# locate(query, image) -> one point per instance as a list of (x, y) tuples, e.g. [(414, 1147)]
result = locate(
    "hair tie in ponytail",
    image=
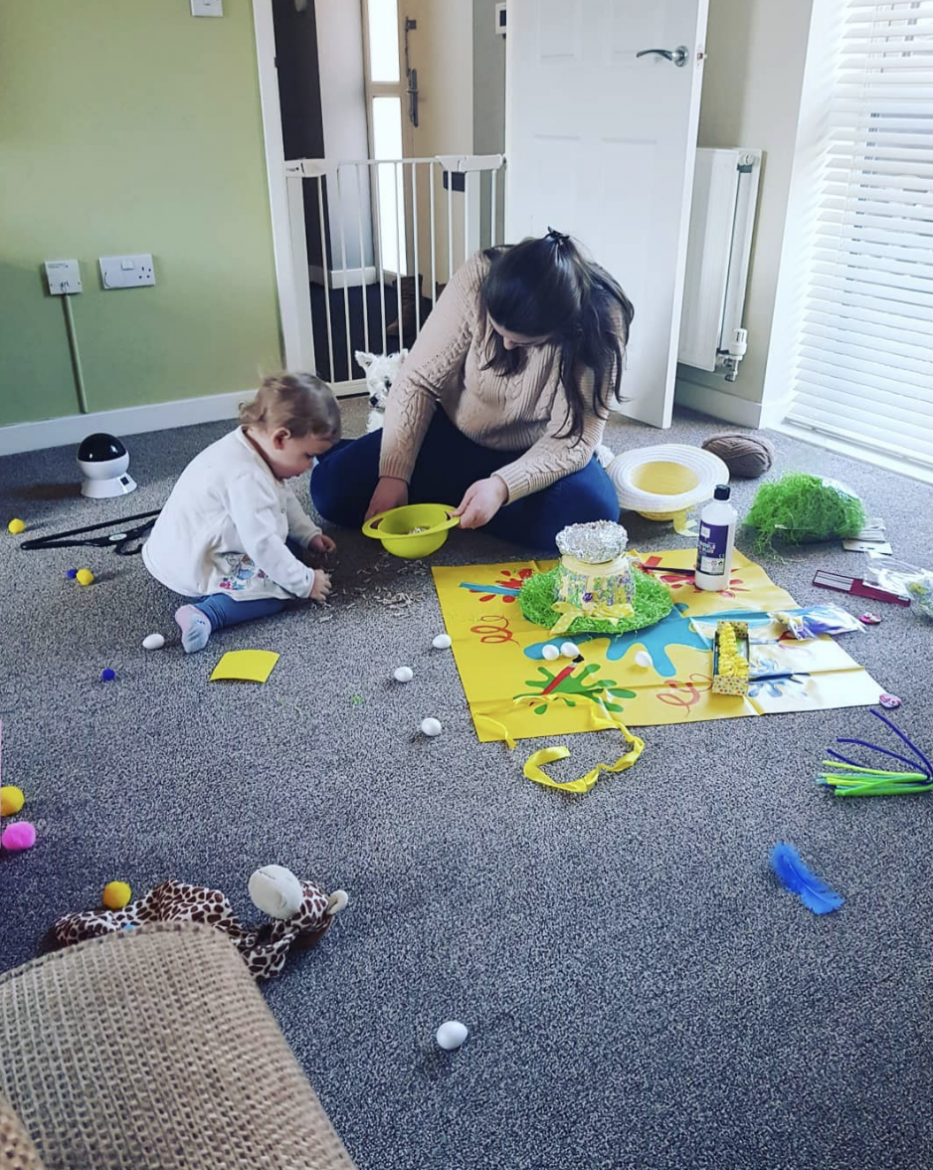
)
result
[(557, 237)]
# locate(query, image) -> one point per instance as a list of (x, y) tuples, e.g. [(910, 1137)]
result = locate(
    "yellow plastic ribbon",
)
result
[(532, 767), (498, 728), (606, 613)]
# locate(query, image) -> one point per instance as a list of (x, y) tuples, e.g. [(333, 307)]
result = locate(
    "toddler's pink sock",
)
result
[(195, 628)]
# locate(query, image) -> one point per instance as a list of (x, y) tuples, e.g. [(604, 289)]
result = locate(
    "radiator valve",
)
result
[(732, 359)]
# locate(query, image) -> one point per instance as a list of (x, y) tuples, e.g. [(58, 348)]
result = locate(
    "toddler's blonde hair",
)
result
[(301, 403)]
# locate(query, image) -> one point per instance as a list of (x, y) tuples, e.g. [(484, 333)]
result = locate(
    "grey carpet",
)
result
[(639, 991)]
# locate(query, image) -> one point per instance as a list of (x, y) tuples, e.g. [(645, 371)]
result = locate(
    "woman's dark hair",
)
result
[(547, 288)]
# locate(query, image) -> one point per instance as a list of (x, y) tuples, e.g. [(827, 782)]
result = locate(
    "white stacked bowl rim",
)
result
[(709, 469)]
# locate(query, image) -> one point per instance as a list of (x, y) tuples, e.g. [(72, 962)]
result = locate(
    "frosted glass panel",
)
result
[(387, 143), (383, 40)]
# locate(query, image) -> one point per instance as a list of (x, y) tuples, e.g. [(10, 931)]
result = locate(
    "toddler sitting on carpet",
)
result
[(232, 534)]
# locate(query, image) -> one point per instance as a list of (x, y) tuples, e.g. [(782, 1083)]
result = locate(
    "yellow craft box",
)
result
[(730, 658)]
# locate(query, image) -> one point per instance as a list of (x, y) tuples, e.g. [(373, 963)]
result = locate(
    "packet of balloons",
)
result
[(818, 619), (900, 577)]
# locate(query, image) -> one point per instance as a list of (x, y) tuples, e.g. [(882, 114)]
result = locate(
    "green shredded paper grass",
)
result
[(652, 602), (798, 508)]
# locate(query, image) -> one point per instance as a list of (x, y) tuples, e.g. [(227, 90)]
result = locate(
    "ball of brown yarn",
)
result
[(746, 456)]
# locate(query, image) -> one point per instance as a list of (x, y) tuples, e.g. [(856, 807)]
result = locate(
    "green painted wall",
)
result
[(130, 126)]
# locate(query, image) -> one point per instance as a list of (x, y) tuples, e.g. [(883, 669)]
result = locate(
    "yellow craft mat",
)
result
[(508, 682)]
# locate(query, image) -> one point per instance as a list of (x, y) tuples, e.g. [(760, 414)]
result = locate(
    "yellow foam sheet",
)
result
[(510, 687), (245, 666)]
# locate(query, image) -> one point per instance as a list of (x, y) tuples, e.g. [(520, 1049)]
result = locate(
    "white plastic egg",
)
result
[(431, 726), (570, 650), (643, 658), (451, 1034), (153, 642), (404, 674), (550, 652), (441, 642)]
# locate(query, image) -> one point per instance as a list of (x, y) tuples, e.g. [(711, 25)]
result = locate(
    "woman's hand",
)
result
[(482, 501), (321, 544), (390, 493)]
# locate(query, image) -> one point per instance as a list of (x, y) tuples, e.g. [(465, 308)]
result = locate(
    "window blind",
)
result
[(863, 369)]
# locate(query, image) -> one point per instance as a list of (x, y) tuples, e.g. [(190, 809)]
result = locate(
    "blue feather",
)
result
[(794, 876)]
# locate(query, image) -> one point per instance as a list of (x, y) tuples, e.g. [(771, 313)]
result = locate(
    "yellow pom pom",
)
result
[(11, 800), (116, 895), (16, 527), (84, 576)]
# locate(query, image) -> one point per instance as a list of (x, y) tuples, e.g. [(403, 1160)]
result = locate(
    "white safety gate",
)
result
[(386, 236)]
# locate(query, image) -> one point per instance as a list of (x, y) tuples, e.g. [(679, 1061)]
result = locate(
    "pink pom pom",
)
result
[(21, 835)]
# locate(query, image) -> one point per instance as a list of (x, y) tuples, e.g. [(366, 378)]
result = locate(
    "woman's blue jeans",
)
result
[(345, 478)]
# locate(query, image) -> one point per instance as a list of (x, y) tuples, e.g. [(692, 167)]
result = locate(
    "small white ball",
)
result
[(570, 650), (441, 642), (153, 642), (451, 1034), (404, 674), (431, 726), (550, 652), (643, 658)]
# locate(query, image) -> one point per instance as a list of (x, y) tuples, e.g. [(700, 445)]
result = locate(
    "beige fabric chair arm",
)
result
[(154, 1050)]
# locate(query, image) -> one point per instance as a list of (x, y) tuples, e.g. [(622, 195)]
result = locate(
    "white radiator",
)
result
[(722, 219)]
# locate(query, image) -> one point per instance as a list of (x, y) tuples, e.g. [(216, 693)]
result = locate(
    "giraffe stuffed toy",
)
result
[(301, 914)]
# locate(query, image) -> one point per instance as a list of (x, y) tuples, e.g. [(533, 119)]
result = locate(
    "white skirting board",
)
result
[(732, 408), (133, 420)]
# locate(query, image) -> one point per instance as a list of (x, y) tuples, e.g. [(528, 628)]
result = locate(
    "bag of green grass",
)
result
[(800, 508)]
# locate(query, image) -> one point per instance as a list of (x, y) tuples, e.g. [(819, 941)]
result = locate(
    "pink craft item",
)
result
[(19, 836)]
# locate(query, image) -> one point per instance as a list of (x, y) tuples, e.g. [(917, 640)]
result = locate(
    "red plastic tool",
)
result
[(857, 587)]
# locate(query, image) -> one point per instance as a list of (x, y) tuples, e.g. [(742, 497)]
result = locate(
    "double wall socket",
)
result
[(126, 271)]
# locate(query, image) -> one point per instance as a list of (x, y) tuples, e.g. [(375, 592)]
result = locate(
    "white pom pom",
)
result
[(570, 650), (550, 652), (153, 642), (643, 658), (276, 891), (451, 1034), (431, 726), (404, 674), (441, 642)]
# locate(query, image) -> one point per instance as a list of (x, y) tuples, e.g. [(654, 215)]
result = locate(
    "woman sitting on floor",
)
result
[(501, 402)]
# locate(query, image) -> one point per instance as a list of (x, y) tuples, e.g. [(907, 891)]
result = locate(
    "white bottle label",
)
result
[(711, 549)]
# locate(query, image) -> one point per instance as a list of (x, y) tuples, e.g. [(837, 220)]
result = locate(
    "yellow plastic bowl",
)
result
[(395, 529)]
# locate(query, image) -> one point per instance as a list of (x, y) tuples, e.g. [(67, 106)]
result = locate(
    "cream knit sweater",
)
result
[(523, 412)]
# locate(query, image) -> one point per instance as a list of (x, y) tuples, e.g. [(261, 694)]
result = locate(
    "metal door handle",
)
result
[(678, 56)]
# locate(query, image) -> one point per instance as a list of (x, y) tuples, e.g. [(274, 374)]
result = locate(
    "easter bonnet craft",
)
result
[(595, 588), (301, 913), (799, 508)]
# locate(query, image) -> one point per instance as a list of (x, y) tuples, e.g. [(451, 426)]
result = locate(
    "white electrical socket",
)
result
[(207, 7), (126, 271), (64, 277)]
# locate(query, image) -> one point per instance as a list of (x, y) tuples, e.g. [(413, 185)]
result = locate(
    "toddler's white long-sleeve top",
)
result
[(223, 528)]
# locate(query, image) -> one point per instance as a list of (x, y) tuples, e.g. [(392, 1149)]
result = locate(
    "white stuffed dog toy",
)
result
[(381, 372)]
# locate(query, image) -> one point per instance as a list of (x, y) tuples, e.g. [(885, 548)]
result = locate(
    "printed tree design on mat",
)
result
[(566, 687)]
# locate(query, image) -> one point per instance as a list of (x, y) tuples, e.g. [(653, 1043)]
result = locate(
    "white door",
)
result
[(600, 143)]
